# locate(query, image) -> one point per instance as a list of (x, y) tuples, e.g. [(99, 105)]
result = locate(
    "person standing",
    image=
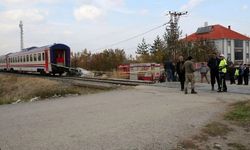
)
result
[(168, 66), (203, 72), (241, 72), (189, 74), (246, 74), (180, 71), (231, 72), (213, 65), (222, 73)]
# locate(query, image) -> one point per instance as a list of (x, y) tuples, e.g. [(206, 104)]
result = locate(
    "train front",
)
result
[(60, 58)]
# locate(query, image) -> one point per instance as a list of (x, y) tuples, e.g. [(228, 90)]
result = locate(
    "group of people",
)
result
[(219, 67), (240, 74)]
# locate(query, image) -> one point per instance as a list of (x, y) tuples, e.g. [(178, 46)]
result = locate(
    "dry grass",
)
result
[(201, 138), (13, 88), (187, 145)]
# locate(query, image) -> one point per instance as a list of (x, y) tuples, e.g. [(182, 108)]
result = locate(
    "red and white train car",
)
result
[(51, 59)]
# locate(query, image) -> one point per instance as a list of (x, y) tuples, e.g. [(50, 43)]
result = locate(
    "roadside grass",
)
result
[(237, 146), (13, 89), (216, 129), (240, 113)]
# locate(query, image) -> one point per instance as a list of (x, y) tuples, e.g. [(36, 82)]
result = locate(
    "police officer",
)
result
[(222, 73)]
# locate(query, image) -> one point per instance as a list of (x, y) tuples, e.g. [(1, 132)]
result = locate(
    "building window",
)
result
[(247, 56), (238, 54), (247, 43), (238, 43), (228, 43)]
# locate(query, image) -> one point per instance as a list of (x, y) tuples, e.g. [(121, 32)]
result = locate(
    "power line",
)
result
[(133, 37)]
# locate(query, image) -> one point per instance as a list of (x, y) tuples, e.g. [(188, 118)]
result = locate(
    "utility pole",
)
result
[(21, 34), (173, 32)]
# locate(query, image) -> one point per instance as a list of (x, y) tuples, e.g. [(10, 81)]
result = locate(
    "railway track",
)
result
[(111, 81), (89, 81)]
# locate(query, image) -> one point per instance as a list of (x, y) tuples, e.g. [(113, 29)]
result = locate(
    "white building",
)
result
[(232, 44)]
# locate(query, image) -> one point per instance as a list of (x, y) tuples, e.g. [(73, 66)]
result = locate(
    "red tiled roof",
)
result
[(218, 32)]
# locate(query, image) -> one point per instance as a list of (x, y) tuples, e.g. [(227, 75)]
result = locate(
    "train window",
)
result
[(15, 59), (39, 56), (31, 57), (23, 58), (27, 58), (43, 57), (35, 58)]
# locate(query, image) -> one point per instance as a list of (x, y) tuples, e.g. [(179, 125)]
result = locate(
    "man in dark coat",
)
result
[(241, 72), (180, 71), (246, 74), (168, 66), (213, 64)]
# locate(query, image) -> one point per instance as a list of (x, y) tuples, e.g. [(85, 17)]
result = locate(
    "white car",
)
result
[(85, 73)]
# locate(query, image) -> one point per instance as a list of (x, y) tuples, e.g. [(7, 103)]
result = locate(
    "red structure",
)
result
[(141, 71)]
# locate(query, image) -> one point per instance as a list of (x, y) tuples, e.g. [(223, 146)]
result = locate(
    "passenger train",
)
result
[(52, 59)]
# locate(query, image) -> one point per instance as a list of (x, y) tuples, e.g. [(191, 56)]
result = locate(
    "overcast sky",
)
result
[(95, 24)]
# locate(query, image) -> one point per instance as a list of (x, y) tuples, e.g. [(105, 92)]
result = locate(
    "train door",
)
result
[(45, 57), (7, 60), (60, 57)]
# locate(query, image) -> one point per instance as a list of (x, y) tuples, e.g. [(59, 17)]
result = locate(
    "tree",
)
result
[(143, 51), (171, 37), (143, 48), (158, 50)]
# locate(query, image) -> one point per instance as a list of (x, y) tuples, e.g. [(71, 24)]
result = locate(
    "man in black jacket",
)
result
[(246, 74), (213, 64), (181, 72)]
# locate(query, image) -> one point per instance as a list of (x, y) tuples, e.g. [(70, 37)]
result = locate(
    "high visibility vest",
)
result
[(223, 66), (237, 72)]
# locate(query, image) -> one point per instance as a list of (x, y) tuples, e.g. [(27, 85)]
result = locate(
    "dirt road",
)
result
[(140, 118)]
